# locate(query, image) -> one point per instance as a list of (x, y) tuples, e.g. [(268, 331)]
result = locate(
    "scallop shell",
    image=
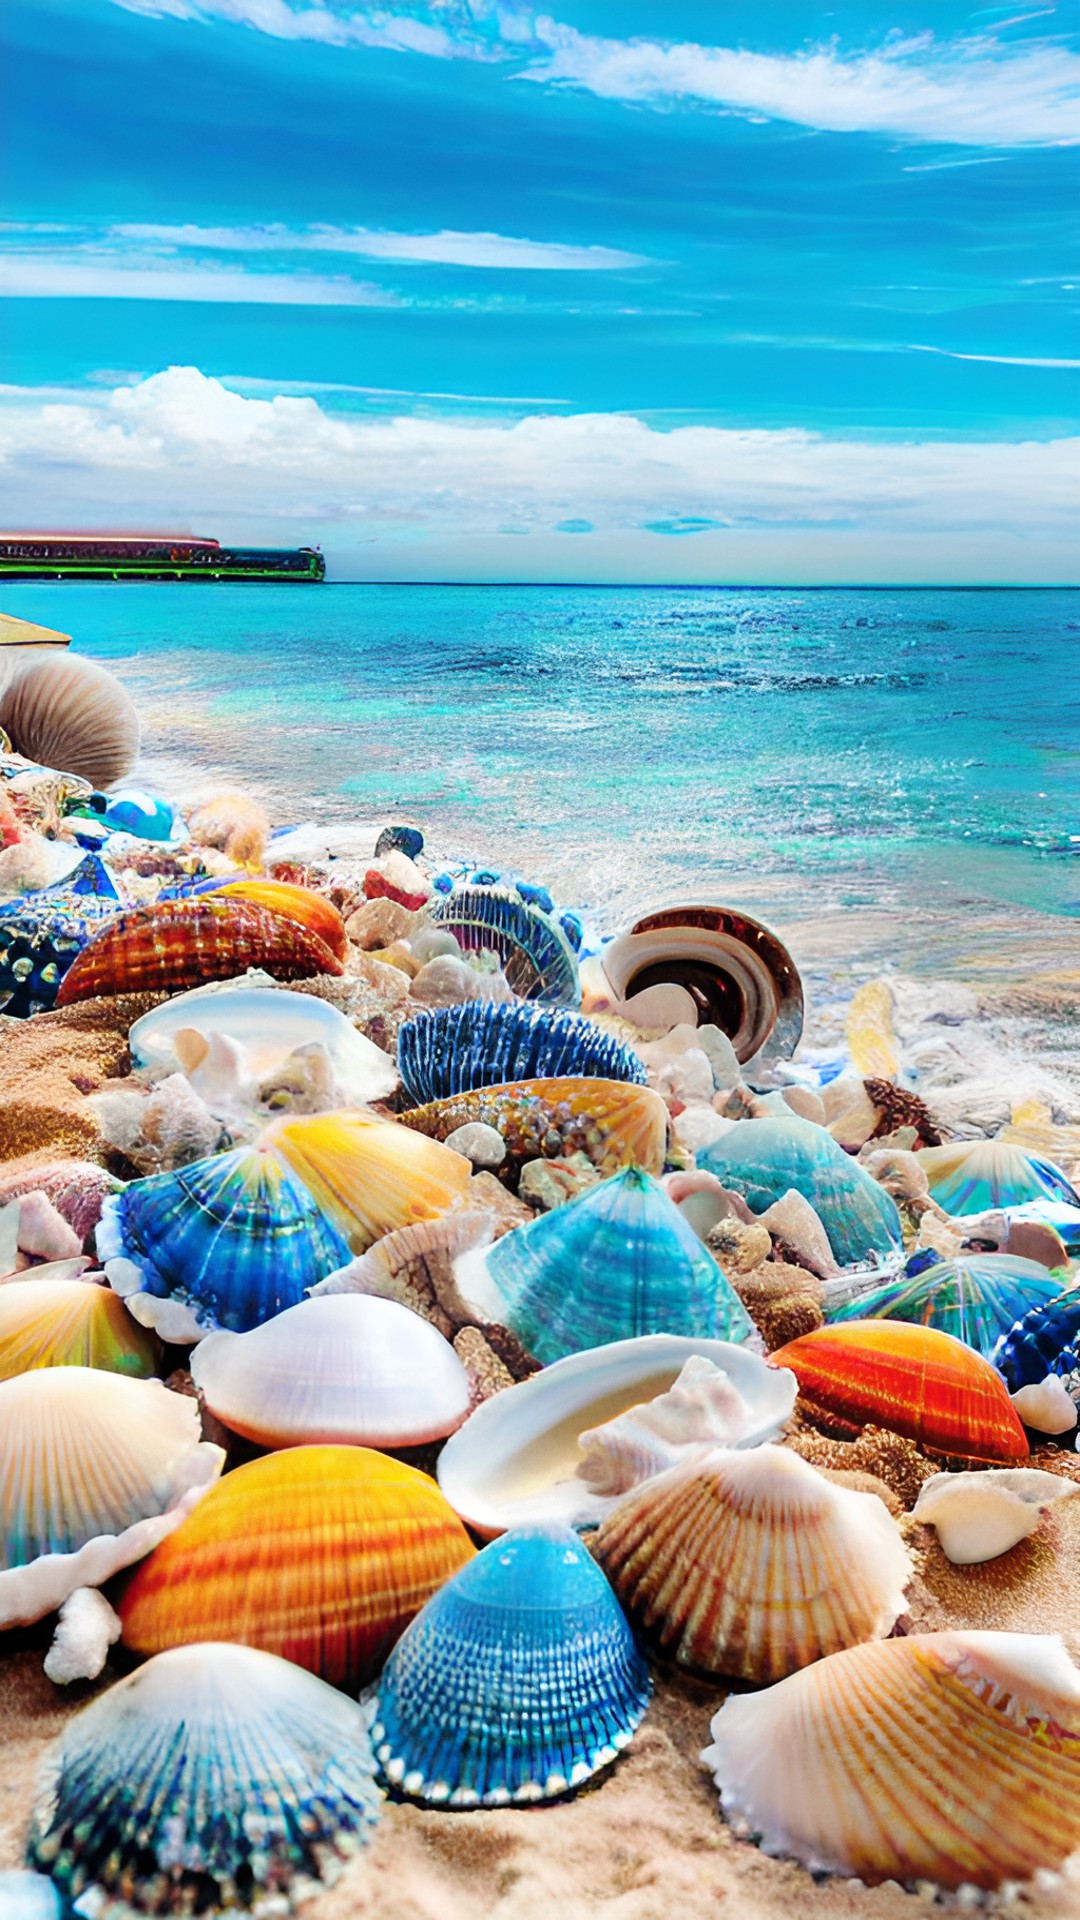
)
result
[(229, 1241), (320, 1554), (517, 1682), (764, 1159), (615, 1124), (487, 1043), (94, 1471), (617, 1261), (974, 1176), (348, 1369), (519, 1457), (1045, 1340), (978, 1516), (415, 1267), (917, 1382), (975, 1297), (211, 1776), (65, 1323), (950, 1757), (182, 943), (69, 713), (268, 1024), (370, 1175), (302, 904), (738, 975), (533, 950), (753, 1564)]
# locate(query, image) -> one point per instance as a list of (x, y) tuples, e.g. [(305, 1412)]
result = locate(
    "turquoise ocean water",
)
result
[(909, 750)]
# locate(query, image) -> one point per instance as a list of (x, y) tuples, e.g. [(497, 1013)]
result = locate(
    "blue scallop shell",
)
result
[(762, 1159), (617, 1261), (235, 1237), (976, 1297), (518, 1680), (487, 1043), (533, 949), (1046, 1340), (975, 1176)]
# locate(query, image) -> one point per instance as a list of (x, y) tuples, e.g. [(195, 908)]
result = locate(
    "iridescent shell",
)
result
[(517, 1682), (229, 1240), (182, 943), (753, 1563), (41, 937), (974, 1176), (302, 904), (320, 1554), (94, 1471), (614, 1123), (268, 1024), (617, 1261), (975, 1297), (949, 1757), (763, 1159), (370, 1175), (349, 1368), (65, 1323), (488, 1043), (70, 713), (1045, 1340), (210, 1777), (535, 954), (913, 1380)]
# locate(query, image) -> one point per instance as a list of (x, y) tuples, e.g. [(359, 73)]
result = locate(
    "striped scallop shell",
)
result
[(975, 1297), (369, 1175), (320, 1554), (302, 904), (66, 1323), (69, 713), (753, 1564), (974, 1176), (177, 944), (764, 1159), (613, 1123), (488, 1043), (211, 1776), (950, 1757), (535, 954)]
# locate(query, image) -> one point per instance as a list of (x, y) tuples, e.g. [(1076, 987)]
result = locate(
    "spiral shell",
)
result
[(69, 713)]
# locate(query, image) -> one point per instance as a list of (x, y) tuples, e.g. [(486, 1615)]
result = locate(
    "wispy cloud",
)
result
[(996, 359), (95, 275), (448, 248)]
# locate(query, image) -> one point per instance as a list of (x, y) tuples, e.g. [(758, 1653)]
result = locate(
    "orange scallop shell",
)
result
[(370, 1175), (914, 1380), (614, 1123), (320, 1554), (183, 943), (301, 904)]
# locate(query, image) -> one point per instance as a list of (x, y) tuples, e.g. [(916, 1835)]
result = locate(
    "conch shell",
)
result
[(980, 1515), (702, 1408)]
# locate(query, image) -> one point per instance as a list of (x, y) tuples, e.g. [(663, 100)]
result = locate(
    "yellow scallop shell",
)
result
[(70, 1323)]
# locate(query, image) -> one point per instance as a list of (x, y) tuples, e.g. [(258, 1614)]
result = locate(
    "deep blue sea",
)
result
[(862, 748)]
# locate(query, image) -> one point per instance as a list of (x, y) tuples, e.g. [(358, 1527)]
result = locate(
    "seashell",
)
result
[(701, 1200), (94, 1471), (87, 1627), (39, 944), (414, 1265), (949, 1757), (976, 1298), (76, 1189), (615, 1262), (182, 943), (919, 1383), (213, 1777), (489, 1044), (227, 1241), (518, 1681), (369, 1175), (39, 1230), (616, 1124), (978, 1516), (701, 1408), (764, 1159), (1046, 1340), (28, 1896), (971, 1176), (307, 908), (869, 1030), (65, 1323), (321, 1554), (792, 1219), (1047, 1406), (70, 713), (753, 1564), (532, 948), (520, 1456), (350, 1369)]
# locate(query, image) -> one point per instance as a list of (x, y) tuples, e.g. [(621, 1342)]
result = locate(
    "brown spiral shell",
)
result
[(67, 712)]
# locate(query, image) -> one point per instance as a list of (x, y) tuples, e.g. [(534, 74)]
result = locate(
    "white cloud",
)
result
[(998, 359), (447, 248), (93, 274)]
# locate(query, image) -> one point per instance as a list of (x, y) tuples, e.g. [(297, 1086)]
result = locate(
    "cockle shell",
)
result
[(65, 1323), (213, 1777), (520, 1457), (976, 1298), (950, 1757), (517, 1682), (70, 713), (533, 950), (753, 1564), (350, 1368), (971, 1176), (763, 1159), (616, 1124), (307, 908), (182, 943), (322, 1554), (487, 1044), (369, 1175), (415, 1266), (980, 1515), (95, 1469)]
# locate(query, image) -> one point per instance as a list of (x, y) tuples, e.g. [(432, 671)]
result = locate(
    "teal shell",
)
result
[(535, 953), (617, 1261), (764, 1159), (976, 1176), (518, 1680), (976, 1298)]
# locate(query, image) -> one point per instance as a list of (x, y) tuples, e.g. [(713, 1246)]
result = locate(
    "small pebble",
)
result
[(546, 1184), (482, 1145)]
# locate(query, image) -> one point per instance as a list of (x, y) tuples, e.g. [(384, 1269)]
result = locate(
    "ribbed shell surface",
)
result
[(70, 713), (488, 1043), (1046, 1340), (177, 944), (974, 1176), (369, 1175), (68, 1323), (302, 904), (535, 953), (764, 1159), (613, 1123), (976, 1298)]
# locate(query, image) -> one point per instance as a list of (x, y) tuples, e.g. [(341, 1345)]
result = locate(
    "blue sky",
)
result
[(654, 290)]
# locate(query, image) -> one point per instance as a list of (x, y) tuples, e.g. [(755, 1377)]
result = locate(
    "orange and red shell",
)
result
[(302, 904), (182, 943)]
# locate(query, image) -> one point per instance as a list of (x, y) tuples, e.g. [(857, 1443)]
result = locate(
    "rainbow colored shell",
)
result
[(536, 956), (41, 937), (976, 1298), (320, 1554), (301, 904), (183, 943), (764, 1159), (370, 1176), (492, 1043), (975, 1176), (615, 1124), (913, 1380), (68, 1323)]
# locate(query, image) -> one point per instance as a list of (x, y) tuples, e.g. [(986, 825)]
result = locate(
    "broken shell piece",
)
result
[(1047, 1407), (792, 1219), (87, 1628), (702, 1408), (414, 1265), (981, 1515), (703, 1200)]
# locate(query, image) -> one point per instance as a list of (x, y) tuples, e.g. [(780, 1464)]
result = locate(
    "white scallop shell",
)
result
[(702, 1408), (978, 1516)]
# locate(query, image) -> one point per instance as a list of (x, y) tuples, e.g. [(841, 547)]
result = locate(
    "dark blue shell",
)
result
[(1046, 1340), (518, 1680), (41, 934), (533, 949), (408, 840), (487, 1043)]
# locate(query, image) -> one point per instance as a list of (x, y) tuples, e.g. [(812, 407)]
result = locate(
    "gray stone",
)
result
[(483, 1146)]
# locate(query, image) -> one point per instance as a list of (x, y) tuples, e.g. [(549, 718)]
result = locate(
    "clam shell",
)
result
[(518, 1680), (211, 1776), (369, 1175), (981, 1515), (763, 1159), (320, 1554), (738, 975), (182, 943), (913, 1380), (519, 1455), (65, 1323), (67, 712), (975, 1297), (973, 1176), (348, 1368), (950, 1757), (533, 950), (302, 904), (268, 1024), (487, 1043), (615, 1124), (94, 1470), (753, 1564)]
